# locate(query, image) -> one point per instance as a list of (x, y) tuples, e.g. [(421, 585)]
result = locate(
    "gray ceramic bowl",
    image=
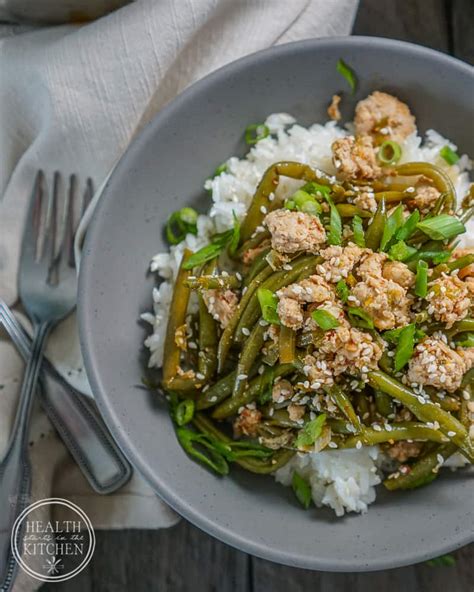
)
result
[(163, 170)]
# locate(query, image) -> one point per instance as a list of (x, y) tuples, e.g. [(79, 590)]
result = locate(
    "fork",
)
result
[(75, 418), (47, 286)]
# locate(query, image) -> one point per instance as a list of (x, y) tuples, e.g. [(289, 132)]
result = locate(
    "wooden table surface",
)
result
[(184, 559)]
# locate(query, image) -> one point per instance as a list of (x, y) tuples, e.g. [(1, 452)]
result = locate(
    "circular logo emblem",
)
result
[(53, 540)]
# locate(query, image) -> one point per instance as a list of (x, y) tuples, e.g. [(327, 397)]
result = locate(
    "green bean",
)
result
[(226, 339), (464, 326), (447, 403), (409, 430), (287, 341), (217, 392), (349, 211), (383, 403), (261, 203), (440, 179), (253, 243), (426, 411), (259, 264), (362, 406), (391, 196), (254, 465), (213, 282), (338, 426), (374, 232), (422, 472), (207, 358), (233, 404), (176, 318), (467, 215), (250, 352), (275, 282), (451, 266), (341, 399)]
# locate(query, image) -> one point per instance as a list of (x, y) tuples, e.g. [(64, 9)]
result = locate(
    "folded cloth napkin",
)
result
[(71, 99)]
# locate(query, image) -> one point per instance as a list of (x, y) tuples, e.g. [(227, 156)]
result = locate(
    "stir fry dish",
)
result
[(330, 317)]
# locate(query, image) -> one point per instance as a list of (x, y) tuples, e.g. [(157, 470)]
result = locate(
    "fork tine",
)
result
[(71, 223), (51, 230), (34, 218)]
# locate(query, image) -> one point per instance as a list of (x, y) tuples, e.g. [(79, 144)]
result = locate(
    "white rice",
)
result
[(342, 480)]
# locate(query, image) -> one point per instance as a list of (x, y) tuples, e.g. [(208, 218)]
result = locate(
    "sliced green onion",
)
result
[(348, 73), (449, 155), (203, 255), (234, 450), (401, 251), (467, 340), (218, 243), (311, 207), (300, 197), (443, 561), (389, 152), (342, 290), (308, 435), (360, 318), (335, 224), (200, 447), (408, 227), (394, 223), (405, 347), (222, 168), (393, 336), (290, 204), (268, 303), (316, 189), (421, 284), (358, 230), (302, 490), (441, 227), (235, 239), (181, 223), (256, 132), (184, 412), (324, 319)]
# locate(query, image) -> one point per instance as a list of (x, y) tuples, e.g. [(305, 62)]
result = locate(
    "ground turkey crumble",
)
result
[(295, 231), (292, 298), (355, 158), (344, 349), (434, 363), (247, 422), (385, 115), (449, 299), (425, 198), (221, 304), (333, 109), (385, 300)]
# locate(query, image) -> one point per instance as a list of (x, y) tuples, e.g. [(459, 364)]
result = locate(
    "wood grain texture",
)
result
[(462, 27), (184, 559), (179, 559), (418, 21)]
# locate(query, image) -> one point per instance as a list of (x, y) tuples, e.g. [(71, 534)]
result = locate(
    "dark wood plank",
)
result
[(418, 578), (462, 23), (417, 21), (179, 559)]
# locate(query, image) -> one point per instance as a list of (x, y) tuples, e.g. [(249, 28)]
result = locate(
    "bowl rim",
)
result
[(85, 319)]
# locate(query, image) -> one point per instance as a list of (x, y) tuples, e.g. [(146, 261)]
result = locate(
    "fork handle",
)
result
[(15, 469), (76, 420)]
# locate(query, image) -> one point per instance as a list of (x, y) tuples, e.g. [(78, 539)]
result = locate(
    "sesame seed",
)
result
[(332, 445), (263, 209), (242, 377), (359, 445), (200, 376), (451, 434), (245, 331)]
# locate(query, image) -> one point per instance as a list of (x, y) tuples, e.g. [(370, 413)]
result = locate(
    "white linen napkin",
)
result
[(71, 99)]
